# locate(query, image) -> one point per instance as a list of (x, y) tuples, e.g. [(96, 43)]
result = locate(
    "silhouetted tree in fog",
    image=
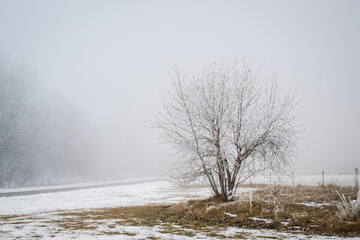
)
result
[(18, 126), (41, 141)]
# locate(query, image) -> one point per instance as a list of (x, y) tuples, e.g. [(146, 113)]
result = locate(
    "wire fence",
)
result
[(310, 178)]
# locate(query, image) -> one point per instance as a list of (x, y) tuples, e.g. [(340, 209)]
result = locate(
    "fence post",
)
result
[(323, 178), (275, 191), (270, 179), (357, 178), (293, 180)]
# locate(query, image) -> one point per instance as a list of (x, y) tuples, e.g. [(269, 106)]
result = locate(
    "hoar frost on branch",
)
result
[(226, 125)]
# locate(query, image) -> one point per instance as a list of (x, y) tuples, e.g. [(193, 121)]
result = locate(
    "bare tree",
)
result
[(17, 129), (226, 125)]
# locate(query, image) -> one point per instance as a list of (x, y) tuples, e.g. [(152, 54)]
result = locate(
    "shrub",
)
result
[(349, 210)]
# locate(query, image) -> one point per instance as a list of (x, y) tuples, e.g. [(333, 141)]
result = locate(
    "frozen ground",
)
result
[(42, 229), (38, 218), (159, 192)]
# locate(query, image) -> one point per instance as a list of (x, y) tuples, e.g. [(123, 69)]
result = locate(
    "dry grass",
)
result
[(288, 214)]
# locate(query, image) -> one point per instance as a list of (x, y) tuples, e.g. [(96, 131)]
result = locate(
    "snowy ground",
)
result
[(38, 215), (159, 192), (41, 229)]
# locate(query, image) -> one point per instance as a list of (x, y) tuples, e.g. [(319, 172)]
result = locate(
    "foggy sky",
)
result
[(111, 59)]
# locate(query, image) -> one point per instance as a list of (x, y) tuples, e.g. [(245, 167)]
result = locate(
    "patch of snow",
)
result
[(261, 219), (230, 215), (314, 204), (209, 208)]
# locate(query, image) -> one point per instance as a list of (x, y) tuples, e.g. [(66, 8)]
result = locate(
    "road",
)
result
[(66, 189)]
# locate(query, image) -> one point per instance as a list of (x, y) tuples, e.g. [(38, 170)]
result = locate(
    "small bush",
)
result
[(178, 208), (348, 209), (212, 212)]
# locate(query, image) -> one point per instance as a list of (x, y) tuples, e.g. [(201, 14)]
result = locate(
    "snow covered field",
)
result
[(38, 215), (159, 192)]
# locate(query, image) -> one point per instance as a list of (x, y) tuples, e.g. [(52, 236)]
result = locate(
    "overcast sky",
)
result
[(111, 59)]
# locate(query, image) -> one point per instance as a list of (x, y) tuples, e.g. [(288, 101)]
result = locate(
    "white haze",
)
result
[(108, 60)]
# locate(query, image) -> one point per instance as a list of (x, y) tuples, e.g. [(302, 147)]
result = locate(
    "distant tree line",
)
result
[(42, 141)]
